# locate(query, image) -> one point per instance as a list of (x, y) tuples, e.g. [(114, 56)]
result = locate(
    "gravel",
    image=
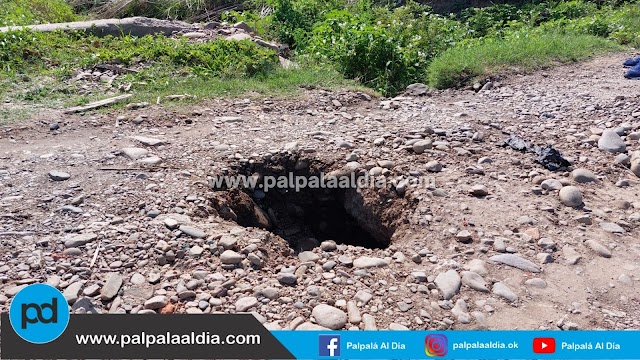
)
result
[(156, 302), (571, 196), (366, 262), (329, 317), (610, 141), (59, 175), (583, 176), (448, 283), (80, 240), (111, 287), (612, 228), (516, 262), (193, 231), (245, 303), (504, 291), (598, 248), (230, 257), (135, 153), (474, 281)]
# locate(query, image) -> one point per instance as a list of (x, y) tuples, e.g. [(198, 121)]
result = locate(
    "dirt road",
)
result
[(466, 234)]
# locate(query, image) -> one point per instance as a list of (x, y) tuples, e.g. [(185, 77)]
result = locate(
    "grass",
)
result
[(459, 65), (39, 70), (28, 12), (10, 116), (278, 83), (162, 9), (62, 53)]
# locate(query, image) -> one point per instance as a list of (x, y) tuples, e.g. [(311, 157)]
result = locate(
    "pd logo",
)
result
[(436, 345), (39, 313)]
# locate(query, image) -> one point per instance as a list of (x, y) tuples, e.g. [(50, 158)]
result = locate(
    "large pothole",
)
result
[(330, 207)]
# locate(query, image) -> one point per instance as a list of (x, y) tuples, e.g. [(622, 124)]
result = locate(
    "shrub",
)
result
[(28, 12), (573, 9), (484, 21), (382, 44), (387, 54), (621, 24), (294, 20), (625, 25)]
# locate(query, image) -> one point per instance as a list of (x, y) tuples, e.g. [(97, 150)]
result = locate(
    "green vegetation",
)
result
[(370, 42), (28, 12), (459, 65), (43, 66), (387, 55), (41, 51), (387, 48), (162, 9)]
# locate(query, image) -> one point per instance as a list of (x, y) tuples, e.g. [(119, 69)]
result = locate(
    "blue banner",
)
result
[(596, 344)]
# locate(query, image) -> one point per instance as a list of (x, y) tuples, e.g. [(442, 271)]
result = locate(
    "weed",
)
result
[(28, 12), (459, 65)]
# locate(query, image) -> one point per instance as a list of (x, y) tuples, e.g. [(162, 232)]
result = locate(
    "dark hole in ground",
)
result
[(317, 214), (308, 216)]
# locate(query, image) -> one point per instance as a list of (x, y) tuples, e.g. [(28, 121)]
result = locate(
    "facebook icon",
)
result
[(329, 345)]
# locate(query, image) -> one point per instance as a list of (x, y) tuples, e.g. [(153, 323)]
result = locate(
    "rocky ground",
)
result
[(116, 210)]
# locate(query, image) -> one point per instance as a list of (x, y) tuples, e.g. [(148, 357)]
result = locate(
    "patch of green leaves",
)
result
[(23, 50), (387, 51), (28, 12)]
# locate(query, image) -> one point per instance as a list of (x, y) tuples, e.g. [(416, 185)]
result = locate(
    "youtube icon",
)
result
[(544, 345)]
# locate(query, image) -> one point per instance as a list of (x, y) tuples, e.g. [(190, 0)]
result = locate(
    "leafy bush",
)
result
[(625, 25), (484, 21), (293, 20), (169, 9), (216, 58), (621, 24), (387, 54), (573, 9), (28, 12)]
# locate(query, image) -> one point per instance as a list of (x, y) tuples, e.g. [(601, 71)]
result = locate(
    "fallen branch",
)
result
[(179, 97), (98, 104), (95, 255), (155, 168), (123, 169), (116, 69), (176, 97)]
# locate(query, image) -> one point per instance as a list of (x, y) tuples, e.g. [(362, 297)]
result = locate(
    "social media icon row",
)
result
[(435, 345)]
